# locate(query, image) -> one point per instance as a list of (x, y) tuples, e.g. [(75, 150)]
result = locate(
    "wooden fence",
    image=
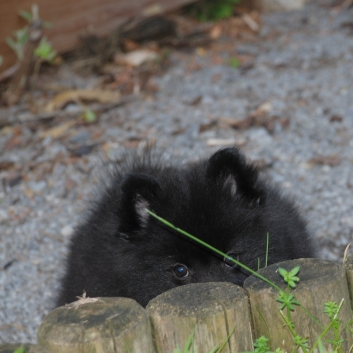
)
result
[(210, 311)]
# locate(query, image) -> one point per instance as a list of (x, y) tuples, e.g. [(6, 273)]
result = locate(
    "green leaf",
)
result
[(188, 347), (20, 349), (283, 272), (1, 60), (26, 15), (211, 10), (331, 309), (260, 345), (219, 347), (287, 300), (214, 349), (289, 277), (189, 342), (127, 348), (89, 116), (292, 281), (22, 35), (320, 346), (10, 42), (222, 11), (298, 340), (234, 63), (294, 271), (177, 350), (17, 45), (45, 51)]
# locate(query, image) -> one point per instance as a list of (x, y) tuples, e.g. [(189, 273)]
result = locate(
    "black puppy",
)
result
[(123, 251)]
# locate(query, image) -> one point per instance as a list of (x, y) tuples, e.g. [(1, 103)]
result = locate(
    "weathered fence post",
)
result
[(109, 325), (211, 310), (320, 282)]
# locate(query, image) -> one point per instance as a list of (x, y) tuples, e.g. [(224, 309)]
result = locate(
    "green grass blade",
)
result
[(320, 346), (263, 319), (219, 350), (311, 317), (267, 243), (189, 343), (199, 241), (20, 349)]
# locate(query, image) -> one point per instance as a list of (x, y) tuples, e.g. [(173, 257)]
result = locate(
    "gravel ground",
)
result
[(301, 77)]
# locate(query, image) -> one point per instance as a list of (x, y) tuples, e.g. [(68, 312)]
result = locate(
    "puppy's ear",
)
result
[(138, 191), (229, 166)]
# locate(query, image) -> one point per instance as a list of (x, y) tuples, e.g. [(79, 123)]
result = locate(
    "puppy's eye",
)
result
[(228, 262), (181, 271)]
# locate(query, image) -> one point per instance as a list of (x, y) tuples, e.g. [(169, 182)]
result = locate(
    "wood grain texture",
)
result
[(211, 310), (109, 325)]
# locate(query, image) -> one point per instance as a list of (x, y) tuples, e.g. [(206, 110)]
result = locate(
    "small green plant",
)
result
[(260, 345), (189, 345), (20, 349), (234, 63), (44, 51), (29, 17), (287, 301), (211, 10), (290, 277), (332, 309), (17, 44), (89, 116)]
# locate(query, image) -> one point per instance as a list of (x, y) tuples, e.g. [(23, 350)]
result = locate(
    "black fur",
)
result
[(122, 251)]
